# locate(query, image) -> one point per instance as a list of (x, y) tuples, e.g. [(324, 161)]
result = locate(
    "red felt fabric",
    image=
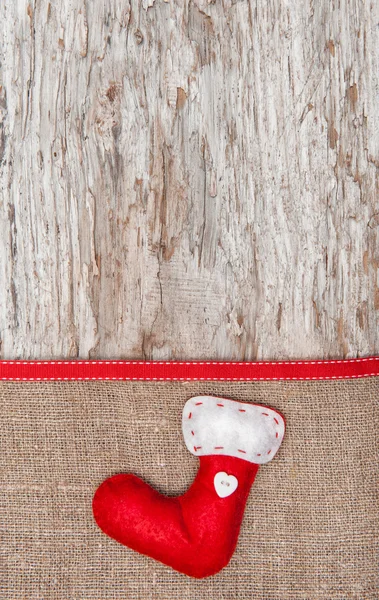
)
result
[(195, 533)]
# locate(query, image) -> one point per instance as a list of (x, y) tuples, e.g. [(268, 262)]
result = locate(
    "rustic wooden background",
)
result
[(189, 179)]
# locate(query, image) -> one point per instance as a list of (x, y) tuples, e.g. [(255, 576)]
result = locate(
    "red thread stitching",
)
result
[(276, 421), (241, 410), (265, 414), (220, 405), (219, 447), (243, 451), (198, 403)]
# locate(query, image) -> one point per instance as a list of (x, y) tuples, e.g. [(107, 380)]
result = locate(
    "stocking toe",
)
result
[(110, 503)]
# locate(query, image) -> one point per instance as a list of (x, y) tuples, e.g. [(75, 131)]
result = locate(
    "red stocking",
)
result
[(196, 533)]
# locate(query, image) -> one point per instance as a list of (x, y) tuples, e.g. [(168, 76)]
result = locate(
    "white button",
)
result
[(225, 484)]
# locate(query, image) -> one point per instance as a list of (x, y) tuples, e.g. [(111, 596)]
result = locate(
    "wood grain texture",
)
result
[(189, 179)]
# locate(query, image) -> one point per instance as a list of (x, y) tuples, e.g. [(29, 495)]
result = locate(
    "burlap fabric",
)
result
[(311, 527)]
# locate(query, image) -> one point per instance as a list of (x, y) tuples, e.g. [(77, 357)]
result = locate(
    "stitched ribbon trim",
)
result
[(188, 371)]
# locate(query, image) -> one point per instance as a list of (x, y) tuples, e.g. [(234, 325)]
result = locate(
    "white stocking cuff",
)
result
[(214, 425)]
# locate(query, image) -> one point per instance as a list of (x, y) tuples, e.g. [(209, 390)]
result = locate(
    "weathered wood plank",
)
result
[(189, 179)]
